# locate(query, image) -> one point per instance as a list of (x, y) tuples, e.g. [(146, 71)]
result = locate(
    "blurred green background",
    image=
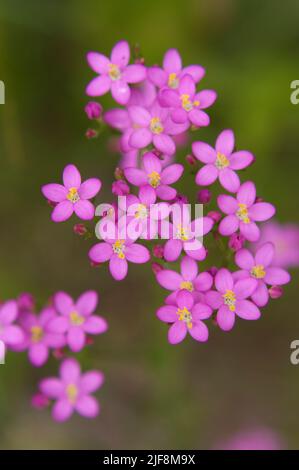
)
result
[(156, 396)]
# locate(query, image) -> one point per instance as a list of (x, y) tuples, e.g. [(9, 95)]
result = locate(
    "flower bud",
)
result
[(204, 196), (118, 173), (93, 110), (39, 401), (25, 302), (191, 159), (120, 188), (158, 251), (80, 229), (215, 215), (213, 270), (236, 241), (156, 267), (91, 133), (180, 199), (275, 292), (58, 353)]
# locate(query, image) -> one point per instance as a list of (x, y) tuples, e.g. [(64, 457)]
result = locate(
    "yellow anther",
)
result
[(154, 179), (242, 213), (230, 300), (73, 195), (258, 271), (36, 334), (76, 319), (156, 125), (72, 393), (185, 316), (173, 81), (114, 72), (187, 285), (119, 248), (221, 161)]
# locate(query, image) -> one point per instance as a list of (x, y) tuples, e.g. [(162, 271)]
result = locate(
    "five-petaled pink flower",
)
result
[(10, 334), (185, 317), (187, 104), (152, 175), (76, 319), (173, 71), (72, 196), (243, 212), (222, 162), (260, 267), (230, 299), (114, 73), (72, 391)]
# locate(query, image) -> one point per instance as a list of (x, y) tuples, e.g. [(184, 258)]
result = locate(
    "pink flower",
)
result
[(10, 334), (187, 104), (38, 337), (76, 319), (260, 267), (222, 162), (154, 126), (256, 439), (118, 251), (188, 279), (172, 71), (72, 196), (230, 299), (93, 110), (185, 317), (114, 73), (152, 175), (72, 390), (243, 212)]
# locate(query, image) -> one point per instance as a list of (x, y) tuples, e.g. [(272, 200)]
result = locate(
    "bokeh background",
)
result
[(156, 396)]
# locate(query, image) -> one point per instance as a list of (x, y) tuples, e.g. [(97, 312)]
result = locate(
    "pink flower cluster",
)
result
[(60, 326)]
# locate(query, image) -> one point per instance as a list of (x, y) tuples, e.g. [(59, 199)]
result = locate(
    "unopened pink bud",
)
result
[(80, 229), (236, 241), (275, 292), (26, 301), (258, 199), (204, 196), (180, 199), (118, 173), (39, 401), (93, 110), (213, 271), (191, 159), (89, 341), (156, 267), (91, 133), (58, 353), (120, 188), (158, 251), (215, 215)]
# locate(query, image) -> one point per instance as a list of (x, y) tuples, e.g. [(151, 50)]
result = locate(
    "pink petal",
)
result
[(63, 303), (198, 254), (38, 354), (224, 280), (157, 76), (52, 387), (89, 188), (71, 177), (206, 98), (229, 180), (12, 335), (228, 225), (177, 332), (8, 312), (151, 163), (76, 338), (62, 410), (168, 279), (199, 118), (172, 61), (247, 310), (91, 381), (244, 259), (137, 253), (227, 204), (139, 115), (166, 193), (147, 195), (225, 318), (98, 86), (98, 62), (261, 295), (54, 192), (214, 299), (164, 143), (250, 231), (140, 138), (247, 193), (184, 299), (117, 118), (265, 254), (87, 406), (277, 276), (179, 116), (196, 71), (172, 250), (135, 176), (199, 331), (62, 211), (167, 313), (172, 173), (240, 160), (170, 98), (261, 211), (201, 311), (84, 209), (204, 152), (203, 282), (187, 85), (87, 302), (100, 252), (225, 142), (118, 267), (95, 325), (189, 268), (206, 175), (120, 54), (58, 325), (120, 91), (134, 73), (245, 288), (70, 371)]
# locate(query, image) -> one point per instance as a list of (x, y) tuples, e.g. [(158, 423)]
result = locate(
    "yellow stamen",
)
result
[(141, 212), (119, 248), (72, 393), (258, 271), (156, 125), (230, 300), (242, 213), (185, 316), (73, 195), (221, 161), (154, 179), (114, 72), (36, 334), (173, 81), (187, 285), (76, 319), (182, 233)]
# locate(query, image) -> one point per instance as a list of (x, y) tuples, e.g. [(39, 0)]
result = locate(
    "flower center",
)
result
[(36, 334), (185, 316), (230, 300), (173, 81), (221, 161), (114, 72), (242, 213), (187, 285), (182, 233), (156, 125), (187, 104), (154, 179), (258, 271), (141, 212), (72, 393), (119, 248), (73, 195), (76, 319)]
